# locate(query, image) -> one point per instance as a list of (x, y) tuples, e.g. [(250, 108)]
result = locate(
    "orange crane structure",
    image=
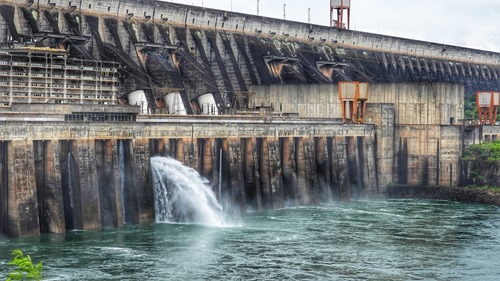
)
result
[(487, 107), (353, 97), (343, 10)]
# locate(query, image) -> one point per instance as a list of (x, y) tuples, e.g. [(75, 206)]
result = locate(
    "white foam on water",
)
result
[(183, 195)]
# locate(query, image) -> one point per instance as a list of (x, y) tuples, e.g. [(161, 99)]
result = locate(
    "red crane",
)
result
[(342, 8)]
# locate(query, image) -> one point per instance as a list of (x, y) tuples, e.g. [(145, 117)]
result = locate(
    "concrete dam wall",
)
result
[(167, 48), (60, 172), (69, 176), (91, 90)]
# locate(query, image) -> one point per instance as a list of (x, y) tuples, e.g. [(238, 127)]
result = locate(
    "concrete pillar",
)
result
[(275, 169), (354, 169), (142, 186), (128, 193), (236, 171), (340, 175), (113, 155), (216, 166), (310, 170), (190, 150), (288, 170), (265, 174), (225, 173), (323, 169), (22, 206), (256, 153), (383, 117), (207, 162), (251, 177), (179, 150), (302, 192), (371, 182), (199, 148), (361, 158), (49, 188), (109, 183), (89, 187)]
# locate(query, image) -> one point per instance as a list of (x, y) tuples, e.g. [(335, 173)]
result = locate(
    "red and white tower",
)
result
[(343, 10)]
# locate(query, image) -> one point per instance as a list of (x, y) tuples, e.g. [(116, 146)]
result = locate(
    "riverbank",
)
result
[(461, 194)]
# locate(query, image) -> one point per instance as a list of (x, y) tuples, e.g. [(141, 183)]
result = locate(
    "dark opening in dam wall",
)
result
[(3, 186)]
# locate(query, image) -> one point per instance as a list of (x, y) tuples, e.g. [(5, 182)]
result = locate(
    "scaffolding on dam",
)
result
[(30, 74)]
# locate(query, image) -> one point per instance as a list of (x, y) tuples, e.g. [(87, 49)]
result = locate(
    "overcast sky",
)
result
[(467, 23)]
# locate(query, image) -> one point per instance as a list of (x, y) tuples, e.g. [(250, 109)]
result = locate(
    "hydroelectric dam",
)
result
[(91, 90)]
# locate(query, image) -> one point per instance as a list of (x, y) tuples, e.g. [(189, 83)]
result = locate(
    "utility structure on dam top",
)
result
[(90, 90), (183, 59), (342, 9)]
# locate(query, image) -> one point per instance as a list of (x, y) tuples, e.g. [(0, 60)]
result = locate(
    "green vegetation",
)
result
[(470, 108), (482, 163), (493, 189), (489, 152), (24, 269)]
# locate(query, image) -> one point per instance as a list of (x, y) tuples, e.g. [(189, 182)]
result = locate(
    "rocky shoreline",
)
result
[(460, 194)]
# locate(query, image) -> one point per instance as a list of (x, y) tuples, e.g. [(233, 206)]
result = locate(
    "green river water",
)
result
[(363, 240)]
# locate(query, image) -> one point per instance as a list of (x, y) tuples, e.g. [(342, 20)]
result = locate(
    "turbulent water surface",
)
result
[(379, 240)]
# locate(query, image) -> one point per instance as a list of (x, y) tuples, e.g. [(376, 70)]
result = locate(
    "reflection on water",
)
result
[(380, 240)]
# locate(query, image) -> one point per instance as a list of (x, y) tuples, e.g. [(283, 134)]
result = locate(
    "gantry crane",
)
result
[(342, 8)]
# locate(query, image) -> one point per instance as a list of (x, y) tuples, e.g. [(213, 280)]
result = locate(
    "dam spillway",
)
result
[(257, 159), (91, 90)]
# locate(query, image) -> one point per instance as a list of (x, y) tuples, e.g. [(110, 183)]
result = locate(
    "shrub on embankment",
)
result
[(481, 164)]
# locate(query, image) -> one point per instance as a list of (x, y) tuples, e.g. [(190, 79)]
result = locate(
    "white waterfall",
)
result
[(182, 195)]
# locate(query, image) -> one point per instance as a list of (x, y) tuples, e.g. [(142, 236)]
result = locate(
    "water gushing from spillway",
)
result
[(182, 195)]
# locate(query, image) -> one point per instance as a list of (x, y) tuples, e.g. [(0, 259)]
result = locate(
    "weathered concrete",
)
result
[(419, 136), (61, 175), (166, 47), (99, 172), (22, 204), (77, 176), (49, 189), (414, 103)]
